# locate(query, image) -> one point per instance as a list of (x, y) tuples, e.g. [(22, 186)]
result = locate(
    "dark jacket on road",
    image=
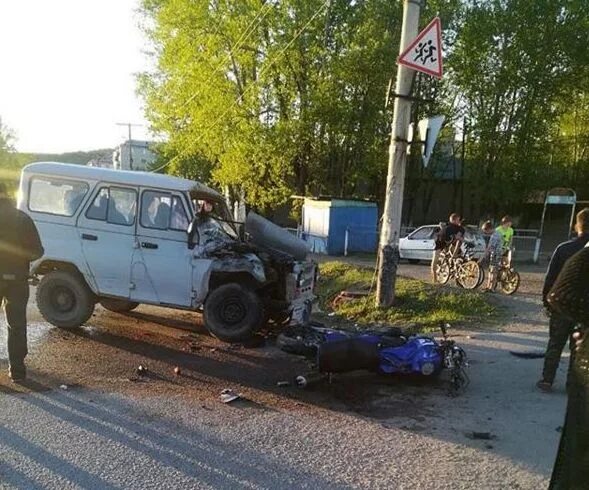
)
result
[(562, 253), (19, 243)]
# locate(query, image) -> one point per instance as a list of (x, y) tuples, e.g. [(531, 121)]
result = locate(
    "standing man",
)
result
[(449, 237), (561, 327), (19, 245)]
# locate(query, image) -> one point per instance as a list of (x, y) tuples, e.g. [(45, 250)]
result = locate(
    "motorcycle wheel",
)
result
[(469, 276), (510, 282)]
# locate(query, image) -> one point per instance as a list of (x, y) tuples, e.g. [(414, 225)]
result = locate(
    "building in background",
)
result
[(133, 155)]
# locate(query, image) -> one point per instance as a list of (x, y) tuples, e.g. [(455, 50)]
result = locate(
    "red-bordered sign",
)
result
[(425, 51)]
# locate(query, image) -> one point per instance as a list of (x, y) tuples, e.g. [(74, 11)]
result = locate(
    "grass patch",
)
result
[(419, 305)]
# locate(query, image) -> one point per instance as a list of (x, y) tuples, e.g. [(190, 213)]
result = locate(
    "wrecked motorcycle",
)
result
[(384, 352)]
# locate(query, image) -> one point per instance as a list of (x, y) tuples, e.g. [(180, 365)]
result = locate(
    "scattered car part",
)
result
[(228, 396)]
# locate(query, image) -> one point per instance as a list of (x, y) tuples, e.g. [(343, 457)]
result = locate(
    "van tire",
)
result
[(64, 299), (233, 313), (118, 305)]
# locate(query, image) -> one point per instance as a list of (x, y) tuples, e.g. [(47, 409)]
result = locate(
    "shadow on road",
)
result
[(196, 454)]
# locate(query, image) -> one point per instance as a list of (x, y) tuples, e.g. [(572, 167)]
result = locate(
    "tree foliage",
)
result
[(281, 97)]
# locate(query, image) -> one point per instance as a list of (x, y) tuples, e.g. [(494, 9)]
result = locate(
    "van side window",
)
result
[(160, 211), (57, 196), (114, 205)]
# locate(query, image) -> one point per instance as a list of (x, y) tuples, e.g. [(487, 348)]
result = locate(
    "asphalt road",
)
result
[(89, 421)]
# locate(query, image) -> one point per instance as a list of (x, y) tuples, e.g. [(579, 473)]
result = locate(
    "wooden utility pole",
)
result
[(391, 226)]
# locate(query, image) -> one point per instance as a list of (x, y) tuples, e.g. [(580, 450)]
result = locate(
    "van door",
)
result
[(107, 233), (162, 263)]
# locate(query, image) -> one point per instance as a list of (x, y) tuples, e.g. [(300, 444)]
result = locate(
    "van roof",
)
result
[(144, 179)]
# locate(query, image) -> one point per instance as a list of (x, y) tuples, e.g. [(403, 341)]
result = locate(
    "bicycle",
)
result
[(507, 277), (462, 267)]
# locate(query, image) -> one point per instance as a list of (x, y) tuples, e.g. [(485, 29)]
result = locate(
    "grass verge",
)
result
[(419, 305)]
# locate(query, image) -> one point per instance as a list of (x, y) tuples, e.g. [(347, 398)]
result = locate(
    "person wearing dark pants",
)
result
[(570, 297), (561, 328), (19, 245)]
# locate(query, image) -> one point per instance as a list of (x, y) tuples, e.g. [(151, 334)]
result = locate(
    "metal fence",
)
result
[(526, 242)]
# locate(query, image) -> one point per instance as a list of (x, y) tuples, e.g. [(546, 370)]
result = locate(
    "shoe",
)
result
[(17, 374), (544, 386)]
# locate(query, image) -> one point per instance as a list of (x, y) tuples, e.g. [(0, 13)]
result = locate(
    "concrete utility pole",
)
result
[(391, 225)]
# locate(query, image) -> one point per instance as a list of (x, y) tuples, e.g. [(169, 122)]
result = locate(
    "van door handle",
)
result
[(151, 246), (86, 236)]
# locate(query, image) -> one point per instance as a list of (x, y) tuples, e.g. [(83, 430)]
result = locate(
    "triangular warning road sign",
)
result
[(425, 52)]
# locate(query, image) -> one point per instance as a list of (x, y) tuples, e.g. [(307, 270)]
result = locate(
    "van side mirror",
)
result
[(193, 236)]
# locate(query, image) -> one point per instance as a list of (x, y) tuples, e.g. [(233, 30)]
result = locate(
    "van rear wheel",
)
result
[(118, 305), (64, 299), (233, 313)]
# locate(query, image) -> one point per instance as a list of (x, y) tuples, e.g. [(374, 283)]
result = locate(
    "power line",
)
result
[(250, 87)]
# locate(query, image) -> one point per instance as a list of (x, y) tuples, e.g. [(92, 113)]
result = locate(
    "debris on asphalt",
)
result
[(303, 381), (283, 384), (228, 396), (63, 387), (559, 428), (485, 436), (528, 355), (141, 370)]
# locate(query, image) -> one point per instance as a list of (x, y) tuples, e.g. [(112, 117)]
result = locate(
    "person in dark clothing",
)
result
[(569, 296), (561, 327), (19, 245), (449, 236)]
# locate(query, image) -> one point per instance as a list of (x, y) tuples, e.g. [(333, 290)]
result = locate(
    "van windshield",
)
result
[(214, 220)]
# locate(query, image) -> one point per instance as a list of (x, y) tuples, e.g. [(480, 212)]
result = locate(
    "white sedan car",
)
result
[(420, 243)]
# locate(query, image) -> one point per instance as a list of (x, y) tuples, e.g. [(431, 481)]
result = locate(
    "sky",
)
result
[(68, 73)]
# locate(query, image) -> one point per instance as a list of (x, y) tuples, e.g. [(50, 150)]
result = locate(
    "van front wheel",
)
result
[(233, 312), (64, 299)]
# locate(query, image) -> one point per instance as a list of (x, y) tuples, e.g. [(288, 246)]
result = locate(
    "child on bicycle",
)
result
[(493, 254), (506, 231)]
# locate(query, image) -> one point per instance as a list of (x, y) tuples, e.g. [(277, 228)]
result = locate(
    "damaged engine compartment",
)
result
[(266, 266)]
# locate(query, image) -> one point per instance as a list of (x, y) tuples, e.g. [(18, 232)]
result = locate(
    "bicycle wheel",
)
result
[(481, 276), (469, 275), (510, 282), (443, 272)]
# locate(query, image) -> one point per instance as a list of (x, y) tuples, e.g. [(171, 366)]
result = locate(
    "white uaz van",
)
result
[(124, 238)]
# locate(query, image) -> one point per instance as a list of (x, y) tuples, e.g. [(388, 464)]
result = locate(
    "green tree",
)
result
[(513, 63), (277, 97)]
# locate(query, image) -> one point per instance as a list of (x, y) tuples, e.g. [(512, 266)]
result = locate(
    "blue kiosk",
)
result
[(337, 226)]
